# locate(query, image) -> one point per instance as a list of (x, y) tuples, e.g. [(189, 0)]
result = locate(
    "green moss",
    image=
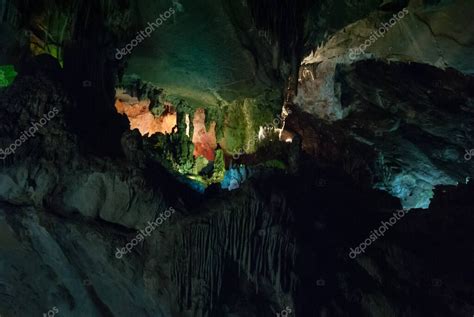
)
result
[(219, 167), (56, 52), (200, 163), (243, 121), (277, 164), (7, 75), (158, 109)]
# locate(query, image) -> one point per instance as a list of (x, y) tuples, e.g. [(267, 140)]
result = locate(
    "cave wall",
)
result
[(436, 34)]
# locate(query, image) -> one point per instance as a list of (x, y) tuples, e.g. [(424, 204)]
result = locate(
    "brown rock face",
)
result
[(141, 118), (204, 141)]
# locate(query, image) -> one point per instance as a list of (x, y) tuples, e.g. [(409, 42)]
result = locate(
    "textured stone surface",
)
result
[(141, 118), (208, 61), (417, 137), (440, 35), (48, 262)]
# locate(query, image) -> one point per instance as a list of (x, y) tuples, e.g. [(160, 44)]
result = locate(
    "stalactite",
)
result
[(8, 13), (244, 235)]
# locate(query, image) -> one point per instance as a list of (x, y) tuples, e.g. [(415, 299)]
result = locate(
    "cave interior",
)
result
[(204, 158)]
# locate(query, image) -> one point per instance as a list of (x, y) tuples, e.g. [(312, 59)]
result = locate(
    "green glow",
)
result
[(200, 163), (7, 75), (276, 164), (56, 52), (219, 167)]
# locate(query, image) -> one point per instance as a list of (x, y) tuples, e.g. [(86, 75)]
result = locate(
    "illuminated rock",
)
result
[(204, 140), (140, 117)]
